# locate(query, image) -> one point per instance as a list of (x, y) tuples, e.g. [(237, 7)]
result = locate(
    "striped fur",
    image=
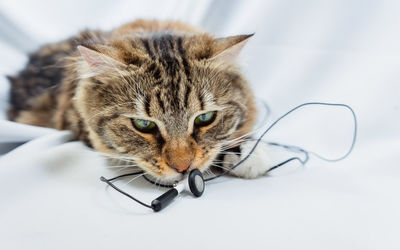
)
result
[(166, 72)]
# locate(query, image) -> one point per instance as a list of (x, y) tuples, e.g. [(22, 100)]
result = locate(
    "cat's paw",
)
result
[(256, 165)]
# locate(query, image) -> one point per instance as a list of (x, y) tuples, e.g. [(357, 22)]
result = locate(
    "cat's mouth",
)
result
[(164, 182), (168, 176)]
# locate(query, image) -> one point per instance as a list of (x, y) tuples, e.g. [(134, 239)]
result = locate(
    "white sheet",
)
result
[(334, 51)]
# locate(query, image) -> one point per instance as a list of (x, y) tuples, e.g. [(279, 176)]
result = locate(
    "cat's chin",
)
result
[(169, 179)]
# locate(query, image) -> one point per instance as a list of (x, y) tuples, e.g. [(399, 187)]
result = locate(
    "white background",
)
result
[(334, 51)]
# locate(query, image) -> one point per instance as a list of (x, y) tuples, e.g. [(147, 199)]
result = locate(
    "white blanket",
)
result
[(333, 51)]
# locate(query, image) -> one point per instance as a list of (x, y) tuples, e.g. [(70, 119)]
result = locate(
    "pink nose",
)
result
[(181, 168)]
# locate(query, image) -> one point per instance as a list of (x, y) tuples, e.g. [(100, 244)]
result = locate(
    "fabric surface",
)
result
[(332, 51)]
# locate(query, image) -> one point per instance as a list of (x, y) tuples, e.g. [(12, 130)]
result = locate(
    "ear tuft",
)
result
[(227, 49), (97, 60)]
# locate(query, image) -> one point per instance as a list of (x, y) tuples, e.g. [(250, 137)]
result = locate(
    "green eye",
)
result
[(144, 126), (205, 119)]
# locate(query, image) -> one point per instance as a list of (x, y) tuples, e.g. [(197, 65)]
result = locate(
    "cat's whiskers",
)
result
[(128, 160), (134, 178), (123, 166), (115, 155), (210, 171), (113, 158), (230, 145), (122, 169), (239, 138), (157, 183), (217, 151), (221, 162), (222, 167), (233, 145), (206, 173), (230, 153), (226, 147)]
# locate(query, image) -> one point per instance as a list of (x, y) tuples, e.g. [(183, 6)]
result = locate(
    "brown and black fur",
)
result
[(163, 70)]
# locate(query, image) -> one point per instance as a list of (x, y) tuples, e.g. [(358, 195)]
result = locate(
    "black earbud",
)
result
[(195, 183)]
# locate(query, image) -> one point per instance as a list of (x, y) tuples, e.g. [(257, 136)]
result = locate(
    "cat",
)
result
[(162, 94)]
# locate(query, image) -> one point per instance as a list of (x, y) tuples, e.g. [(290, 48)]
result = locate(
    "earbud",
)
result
[(193, 183), (196, 183)]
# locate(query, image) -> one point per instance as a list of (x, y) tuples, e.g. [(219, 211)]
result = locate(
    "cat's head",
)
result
[(169, 101)]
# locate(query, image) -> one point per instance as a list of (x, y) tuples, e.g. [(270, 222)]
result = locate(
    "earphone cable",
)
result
[(109, 182), (259, 139)]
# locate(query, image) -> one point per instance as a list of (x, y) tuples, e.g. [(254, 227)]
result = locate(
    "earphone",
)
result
[(195, 183)]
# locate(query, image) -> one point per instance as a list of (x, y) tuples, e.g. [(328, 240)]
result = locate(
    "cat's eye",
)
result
[(144, 126), (205, 119)]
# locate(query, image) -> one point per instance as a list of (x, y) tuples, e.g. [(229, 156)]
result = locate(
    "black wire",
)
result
[(285, 162), (292, 148), (283, 116), (124, 175), (108, 181)]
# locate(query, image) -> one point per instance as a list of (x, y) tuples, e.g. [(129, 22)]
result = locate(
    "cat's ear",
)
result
[(227, 49), (98, 61)]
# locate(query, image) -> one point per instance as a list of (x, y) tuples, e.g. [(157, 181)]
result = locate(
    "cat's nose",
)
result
[(178, 155), (181, 168)]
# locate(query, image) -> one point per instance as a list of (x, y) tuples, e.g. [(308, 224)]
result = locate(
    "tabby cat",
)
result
[(161, 93)]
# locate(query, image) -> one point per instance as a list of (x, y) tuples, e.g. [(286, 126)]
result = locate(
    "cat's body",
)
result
[(163, 94)]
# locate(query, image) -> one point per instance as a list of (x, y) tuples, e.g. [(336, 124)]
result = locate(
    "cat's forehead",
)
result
[(173, 78), (176, 101), (169, 49)]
